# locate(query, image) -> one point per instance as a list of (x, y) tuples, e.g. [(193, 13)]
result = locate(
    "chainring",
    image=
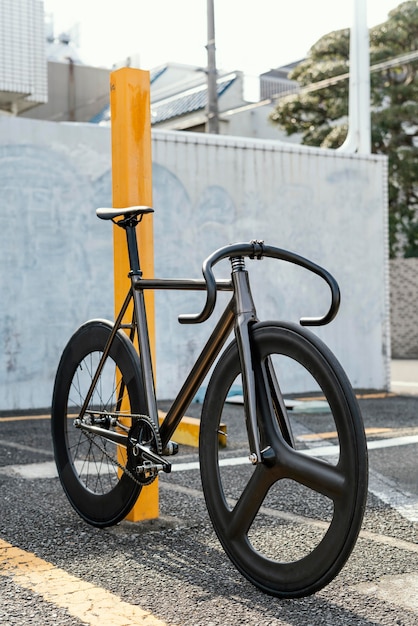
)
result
[(144, 432)]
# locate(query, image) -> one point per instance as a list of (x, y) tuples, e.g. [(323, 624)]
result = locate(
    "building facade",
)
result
[(23, 70)]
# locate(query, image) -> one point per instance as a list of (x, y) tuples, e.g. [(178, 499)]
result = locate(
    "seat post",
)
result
[(135, 275), (131, 238)]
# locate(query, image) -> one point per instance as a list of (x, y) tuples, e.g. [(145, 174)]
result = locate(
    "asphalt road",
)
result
[(56, 570)]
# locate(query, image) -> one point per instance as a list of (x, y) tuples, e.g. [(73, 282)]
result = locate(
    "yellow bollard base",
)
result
[(131, 185), (187, 432), (147, 505)]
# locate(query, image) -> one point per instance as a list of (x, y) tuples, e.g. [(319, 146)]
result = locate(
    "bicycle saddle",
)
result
[(131, 211)]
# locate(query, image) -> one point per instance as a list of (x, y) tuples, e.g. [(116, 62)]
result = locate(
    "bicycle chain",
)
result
[(154, 442), (124, 468), (113, 460)]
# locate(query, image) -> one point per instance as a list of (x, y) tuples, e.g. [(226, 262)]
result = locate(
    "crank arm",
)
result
[(122, 440), (148, 454)]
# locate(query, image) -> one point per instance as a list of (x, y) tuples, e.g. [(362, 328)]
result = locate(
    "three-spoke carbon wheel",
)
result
[(88, 464), (290, 523)]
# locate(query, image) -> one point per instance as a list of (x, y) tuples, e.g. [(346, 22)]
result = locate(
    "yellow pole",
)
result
[(132, 185)]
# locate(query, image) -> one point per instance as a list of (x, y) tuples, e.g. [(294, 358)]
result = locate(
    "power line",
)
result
[(377, 67)]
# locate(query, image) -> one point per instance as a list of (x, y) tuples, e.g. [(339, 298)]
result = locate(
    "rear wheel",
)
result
[(89, 466), (288, 524)]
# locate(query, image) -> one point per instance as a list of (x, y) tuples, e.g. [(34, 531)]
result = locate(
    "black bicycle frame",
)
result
[(239, 314), (240, 310), (198, 372)]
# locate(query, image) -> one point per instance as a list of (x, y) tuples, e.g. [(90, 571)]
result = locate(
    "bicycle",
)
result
[(108, 442)]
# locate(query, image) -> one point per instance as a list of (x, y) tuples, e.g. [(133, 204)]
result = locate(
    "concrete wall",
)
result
[(56, 257), (404, 308)]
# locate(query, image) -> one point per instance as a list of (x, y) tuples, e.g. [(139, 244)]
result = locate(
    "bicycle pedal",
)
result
[(171, 449), (148, 469)]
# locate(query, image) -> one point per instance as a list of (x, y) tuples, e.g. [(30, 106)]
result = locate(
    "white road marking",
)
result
[(393, 442), (403, 383), (48, 469), (402, 591), (384, 488), (393, 542), (389, 492), (31, 471)]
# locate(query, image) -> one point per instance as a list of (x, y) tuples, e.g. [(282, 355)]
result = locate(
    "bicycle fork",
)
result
[(245, 318)]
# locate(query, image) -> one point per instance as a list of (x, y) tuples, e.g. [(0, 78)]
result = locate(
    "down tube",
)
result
[(192, 383)]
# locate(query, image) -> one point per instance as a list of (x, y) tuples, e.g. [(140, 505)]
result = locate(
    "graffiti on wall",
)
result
[(48, 254)]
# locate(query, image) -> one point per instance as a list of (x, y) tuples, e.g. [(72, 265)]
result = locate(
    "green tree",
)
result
[(320, 115)]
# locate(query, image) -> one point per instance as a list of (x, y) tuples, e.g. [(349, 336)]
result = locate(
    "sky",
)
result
[(250, 36)]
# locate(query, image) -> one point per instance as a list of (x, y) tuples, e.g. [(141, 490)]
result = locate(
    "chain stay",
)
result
[(112, 459), (146, 472)]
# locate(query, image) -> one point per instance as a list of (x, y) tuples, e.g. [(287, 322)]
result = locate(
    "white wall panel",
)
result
[(324, 205), (56, 256)]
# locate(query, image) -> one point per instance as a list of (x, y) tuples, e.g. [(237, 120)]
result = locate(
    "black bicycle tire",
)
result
[(109, 508), (311, 573)]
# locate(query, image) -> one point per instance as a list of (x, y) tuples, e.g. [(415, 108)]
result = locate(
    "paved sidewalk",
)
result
[(404, 376)]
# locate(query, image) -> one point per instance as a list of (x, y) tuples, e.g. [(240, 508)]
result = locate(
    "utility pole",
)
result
[(212, 108), (359, 134)]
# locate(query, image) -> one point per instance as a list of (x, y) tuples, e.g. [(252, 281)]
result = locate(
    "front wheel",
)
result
[(90, 467), (288, 524)]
